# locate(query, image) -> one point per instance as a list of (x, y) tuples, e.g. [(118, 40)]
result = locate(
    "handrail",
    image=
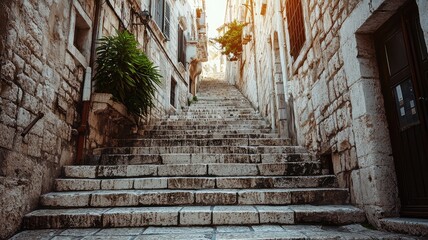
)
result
[(31, 125)]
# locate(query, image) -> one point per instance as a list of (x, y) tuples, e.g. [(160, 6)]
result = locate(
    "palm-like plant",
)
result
[(126, 72)]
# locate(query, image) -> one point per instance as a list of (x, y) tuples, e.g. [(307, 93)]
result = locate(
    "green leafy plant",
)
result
[(231, 41), (126, 72)]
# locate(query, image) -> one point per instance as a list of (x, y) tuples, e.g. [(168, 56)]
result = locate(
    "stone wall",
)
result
[(334, 86), (38, 74), (45, 50)]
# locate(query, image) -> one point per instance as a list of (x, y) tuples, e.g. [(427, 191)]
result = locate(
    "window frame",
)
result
[(161, 13), (296, 26), (173, 92), (81, 24), (181, 49)]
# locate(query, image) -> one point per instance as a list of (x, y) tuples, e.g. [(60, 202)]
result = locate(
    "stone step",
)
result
[(161, 197), (192, 215), (208, 127), (208, 117), (213, 109), (217, 169), (206, 131), (201, 149), (78, 184), (215, 122), (184, 158), (153, 142), (202, 136)]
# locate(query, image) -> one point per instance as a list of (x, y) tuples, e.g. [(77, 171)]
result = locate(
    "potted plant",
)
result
[(124, 71), (231, 41)]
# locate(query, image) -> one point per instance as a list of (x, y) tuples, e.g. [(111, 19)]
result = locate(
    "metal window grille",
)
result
[(296, 26), (172, 94)]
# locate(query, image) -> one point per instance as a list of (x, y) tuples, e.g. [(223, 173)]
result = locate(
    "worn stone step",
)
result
[(208, 127), (201, 149), (215, 107), (156, 133), (167, 197), (192, 215), (154, 142), (215, 169), (210, 117), (198, 136), (185, 158), (78, 184), (211, 122)]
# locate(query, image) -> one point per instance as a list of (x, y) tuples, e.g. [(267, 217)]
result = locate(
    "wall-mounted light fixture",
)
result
[(144, 16)]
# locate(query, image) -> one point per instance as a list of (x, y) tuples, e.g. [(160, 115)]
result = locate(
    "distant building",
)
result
[(47, 51), (348, 80)]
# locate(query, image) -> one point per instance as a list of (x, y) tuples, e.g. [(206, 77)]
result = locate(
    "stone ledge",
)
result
[(413, 226), (103, 100)]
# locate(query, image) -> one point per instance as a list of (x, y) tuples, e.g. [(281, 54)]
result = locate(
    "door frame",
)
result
[(396, 23)]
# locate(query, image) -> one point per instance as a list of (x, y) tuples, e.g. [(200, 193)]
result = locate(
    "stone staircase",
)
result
[(215, 163)]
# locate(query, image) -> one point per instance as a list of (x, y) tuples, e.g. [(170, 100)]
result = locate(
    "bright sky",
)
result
[(215, 15)]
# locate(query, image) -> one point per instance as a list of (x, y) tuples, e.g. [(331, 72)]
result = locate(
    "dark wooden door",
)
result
[(403, 64)]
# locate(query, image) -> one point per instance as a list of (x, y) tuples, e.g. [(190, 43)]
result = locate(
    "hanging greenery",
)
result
[(126, 72), (231, 41)]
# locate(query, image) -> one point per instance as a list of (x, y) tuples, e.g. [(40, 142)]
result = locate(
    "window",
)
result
[(181, 46), (296, 27), (79, 38), (162, 16), (172, 94)]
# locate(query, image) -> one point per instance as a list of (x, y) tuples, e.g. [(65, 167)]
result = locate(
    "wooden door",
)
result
[(402, 58)]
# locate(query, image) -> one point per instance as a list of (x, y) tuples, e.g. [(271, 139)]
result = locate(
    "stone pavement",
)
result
[(259, 232)]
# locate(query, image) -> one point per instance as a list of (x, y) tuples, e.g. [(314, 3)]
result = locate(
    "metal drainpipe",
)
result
[(86, 101)]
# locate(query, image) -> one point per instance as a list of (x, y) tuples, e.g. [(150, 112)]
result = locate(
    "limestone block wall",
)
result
[(334, 86), (38, 74)]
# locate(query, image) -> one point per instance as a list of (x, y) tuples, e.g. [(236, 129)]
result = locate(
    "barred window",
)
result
[(172, 93), (296, 26), (162, 12), (181, 46)]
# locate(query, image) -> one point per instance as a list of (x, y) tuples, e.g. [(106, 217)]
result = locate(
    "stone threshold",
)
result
[(412, 226)]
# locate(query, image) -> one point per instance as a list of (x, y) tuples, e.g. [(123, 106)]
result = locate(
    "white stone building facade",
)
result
[(347, 80), (46, 48)]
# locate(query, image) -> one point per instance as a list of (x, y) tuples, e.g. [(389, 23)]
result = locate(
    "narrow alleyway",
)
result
[(214, 171)]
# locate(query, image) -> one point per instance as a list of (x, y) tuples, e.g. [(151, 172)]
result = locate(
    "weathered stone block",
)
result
[(264, 197), (191, 183), (276, 215), (80, 171), (183, 170), (229, 215), (65, 199), (112, 184), (114, 198), (77, 184), (215, 197), (140, 217), (232, 169), (150, 183), (166, 197), (195, 216)]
